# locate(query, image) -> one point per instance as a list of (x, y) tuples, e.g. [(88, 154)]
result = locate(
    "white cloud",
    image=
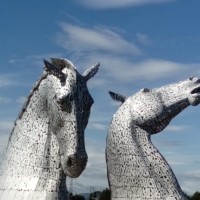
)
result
[(6, 126), (118, 73), (169, 143), (105, 4), (35, 60), (21, 99), (117, 56), (97, 126), (4, 100), (175, 162), (7, 80), (190, 181), (148, 70), (81, 39), (115, 103), (126, 70), (175, 128), (143, 39)]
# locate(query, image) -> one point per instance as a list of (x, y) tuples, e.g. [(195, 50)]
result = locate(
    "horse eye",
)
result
[(66, 99), (65, 103)]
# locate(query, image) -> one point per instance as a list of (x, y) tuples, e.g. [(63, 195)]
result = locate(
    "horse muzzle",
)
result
[(74, 165), (194, 96)]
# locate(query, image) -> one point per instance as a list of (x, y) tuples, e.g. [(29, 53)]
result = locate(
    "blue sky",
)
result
[(139, 43)]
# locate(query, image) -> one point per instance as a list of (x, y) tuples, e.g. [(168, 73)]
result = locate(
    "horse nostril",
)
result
[(69, 162), (195, 79)]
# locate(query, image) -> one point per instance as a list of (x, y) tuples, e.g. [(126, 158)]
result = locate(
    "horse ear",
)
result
[(52, 69), (117, 97), (88, 74)]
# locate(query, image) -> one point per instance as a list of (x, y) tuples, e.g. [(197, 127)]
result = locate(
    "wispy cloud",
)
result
[(125, 70), (80, 39), (117, 55), (175, 128), (6, 126), (21, 99), (169, 143), (97, 126), (8, 80), (149, 70), (105, 4), (143, 39), (175, 162), (33, 60), (190, 181), (5, 100)]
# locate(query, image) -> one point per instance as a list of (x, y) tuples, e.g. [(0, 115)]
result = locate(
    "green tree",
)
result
[(195, 196), (105, 195), (94, 195), (186, 195), (77, 197)]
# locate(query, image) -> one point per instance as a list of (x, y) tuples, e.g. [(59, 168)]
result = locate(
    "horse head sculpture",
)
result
[(69, 111), (47, 141), (136, 169)]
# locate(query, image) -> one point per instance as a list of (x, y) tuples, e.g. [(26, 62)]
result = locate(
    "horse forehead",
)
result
[(141, 97), (75, 79), (142, 102), (83, 93), (175, 86), (79, 86)]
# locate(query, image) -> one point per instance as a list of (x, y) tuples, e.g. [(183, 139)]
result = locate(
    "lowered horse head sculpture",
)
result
[(47, 141), (136, 169), (69, 111)]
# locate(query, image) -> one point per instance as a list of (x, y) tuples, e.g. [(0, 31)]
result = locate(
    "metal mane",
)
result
[(37, 84), (60, 63)]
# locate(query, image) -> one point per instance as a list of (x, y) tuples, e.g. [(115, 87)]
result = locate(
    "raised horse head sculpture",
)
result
[(136, 169), (47, 141)]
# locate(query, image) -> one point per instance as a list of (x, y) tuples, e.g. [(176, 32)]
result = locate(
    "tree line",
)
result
[(106, 195)]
